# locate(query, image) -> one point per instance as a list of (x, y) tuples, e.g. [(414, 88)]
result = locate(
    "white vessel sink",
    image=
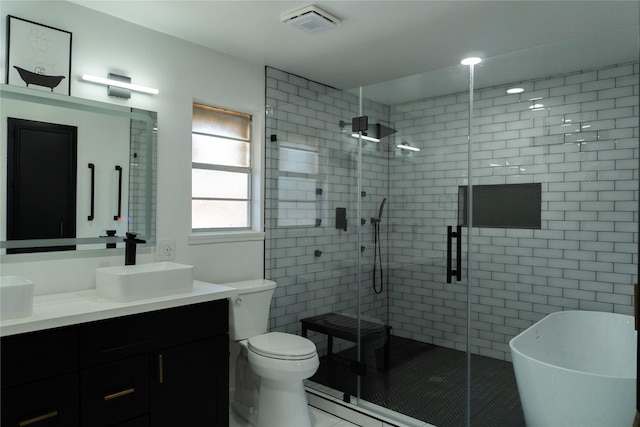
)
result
[(136, 282), (16, 297)]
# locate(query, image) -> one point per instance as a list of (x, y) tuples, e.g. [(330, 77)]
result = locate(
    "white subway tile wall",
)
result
[(142, 218), (582, 146)]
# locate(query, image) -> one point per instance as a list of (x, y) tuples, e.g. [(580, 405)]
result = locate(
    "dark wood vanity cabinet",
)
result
[(40, 379), (156, 369)]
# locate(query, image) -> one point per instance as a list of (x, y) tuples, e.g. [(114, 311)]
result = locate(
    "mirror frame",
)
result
[(147, 141)]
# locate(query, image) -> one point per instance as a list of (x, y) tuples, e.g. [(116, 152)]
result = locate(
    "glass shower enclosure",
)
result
[(521, 191)]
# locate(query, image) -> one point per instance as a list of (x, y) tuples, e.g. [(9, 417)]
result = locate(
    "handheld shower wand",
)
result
[(381, 209), (379, 218), (377, 250)]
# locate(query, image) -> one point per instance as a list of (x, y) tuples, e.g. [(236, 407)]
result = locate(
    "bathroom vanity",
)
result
[(83, 360)]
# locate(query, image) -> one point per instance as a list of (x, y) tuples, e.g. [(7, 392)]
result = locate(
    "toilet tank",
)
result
[(249, 311)]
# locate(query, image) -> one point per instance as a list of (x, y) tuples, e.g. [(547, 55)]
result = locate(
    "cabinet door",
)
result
[(191, 385), (115, 392), (48, 403)]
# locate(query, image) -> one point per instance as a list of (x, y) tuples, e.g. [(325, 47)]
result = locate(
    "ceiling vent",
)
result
[(311, 19)]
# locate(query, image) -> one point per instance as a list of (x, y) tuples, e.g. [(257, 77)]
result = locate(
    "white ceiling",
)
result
[(379, 41)]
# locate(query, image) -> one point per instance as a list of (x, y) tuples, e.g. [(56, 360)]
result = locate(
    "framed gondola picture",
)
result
[(38, 56)]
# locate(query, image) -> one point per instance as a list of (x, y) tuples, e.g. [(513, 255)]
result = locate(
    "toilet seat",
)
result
[(278, 345)]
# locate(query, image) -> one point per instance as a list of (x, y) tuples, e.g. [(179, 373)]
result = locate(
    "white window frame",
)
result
[(253, 230)]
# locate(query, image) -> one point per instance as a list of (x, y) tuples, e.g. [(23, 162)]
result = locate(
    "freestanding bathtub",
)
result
[(577, 368)]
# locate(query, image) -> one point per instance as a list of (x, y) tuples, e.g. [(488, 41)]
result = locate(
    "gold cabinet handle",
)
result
[(160, 369), (38, 418), (119, 394)]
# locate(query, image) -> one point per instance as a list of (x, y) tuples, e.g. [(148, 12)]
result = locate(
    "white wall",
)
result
[(183, 72)]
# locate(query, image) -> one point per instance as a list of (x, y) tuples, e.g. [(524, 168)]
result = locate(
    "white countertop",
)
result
[(70, 308)]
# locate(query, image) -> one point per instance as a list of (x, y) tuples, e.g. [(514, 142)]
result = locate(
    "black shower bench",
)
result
[(346, 328)]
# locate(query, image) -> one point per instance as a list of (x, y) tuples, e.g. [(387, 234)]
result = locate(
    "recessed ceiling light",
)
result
[(471, 61), (515, 90)]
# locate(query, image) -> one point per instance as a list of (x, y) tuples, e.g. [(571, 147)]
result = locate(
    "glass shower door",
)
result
[(422, 164), (312, 226)]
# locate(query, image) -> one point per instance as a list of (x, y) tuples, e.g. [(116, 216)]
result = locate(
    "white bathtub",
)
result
[(577, 368)]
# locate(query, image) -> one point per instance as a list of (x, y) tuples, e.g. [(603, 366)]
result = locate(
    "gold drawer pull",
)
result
[(119, 394), (38, 418)]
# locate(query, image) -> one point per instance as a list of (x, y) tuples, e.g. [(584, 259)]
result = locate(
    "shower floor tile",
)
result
[(427, 382)]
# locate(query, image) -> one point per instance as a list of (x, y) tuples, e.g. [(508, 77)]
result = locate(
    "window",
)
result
[(220, 169)]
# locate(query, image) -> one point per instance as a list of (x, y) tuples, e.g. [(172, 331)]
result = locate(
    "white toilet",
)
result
[(271, 366)]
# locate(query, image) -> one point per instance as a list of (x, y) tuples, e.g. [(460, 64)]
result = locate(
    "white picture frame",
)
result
[(38, 56)]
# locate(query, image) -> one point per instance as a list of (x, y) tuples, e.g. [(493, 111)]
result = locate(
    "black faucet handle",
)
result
[(133, 237)]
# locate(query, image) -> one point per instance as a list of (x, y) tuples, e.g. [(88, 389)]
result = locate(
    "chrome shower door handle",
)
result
[(450, 236)]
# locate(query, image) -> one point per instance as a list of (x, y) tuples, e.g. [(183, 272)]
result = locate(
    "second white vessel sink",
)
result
[(16, 297), (136, 282)]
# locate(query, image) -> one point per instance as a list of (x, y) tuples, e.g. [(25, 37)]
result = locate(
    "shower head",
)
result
[(376, 130), (381, 131)]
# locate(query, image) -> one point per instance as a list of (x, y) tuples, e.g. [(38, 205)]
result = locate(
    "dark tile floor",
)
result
[(428, 382)]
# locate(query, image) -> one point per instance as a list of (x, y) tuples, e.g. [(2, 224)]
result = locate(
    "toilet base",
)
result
[(283, 404)]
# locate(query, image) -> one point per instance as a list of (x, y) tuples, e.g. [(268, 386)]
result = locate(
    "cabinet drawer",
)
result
[(38, 355), (128, 336), (115, 392), (48, 403)]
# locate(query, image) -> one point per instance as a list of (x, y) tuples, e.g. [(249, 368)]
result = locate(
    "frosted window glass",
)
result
[(219, 214), (221, 168), (219, 184), (219, 151)]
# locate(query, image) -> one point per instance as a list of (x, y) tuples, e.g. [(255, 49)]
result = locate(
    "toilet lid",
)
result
[(278, 345)]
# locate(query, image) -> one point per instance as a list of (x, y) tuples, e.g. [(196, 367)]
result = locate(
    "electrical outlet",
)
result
[(165, 250), (170, 249)]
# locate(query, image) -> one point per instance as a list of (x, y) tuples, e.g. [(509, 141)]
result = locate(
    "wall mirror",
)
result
[(77, 174)]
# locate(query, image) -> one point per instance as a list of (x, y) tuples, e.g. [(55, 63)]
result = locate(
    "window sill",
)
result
[(226, 237)]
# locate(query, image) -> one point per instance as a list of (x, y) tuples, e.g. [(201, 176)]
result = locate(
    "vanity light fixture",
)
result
[(119, 86), (406, 146), (514, 90)]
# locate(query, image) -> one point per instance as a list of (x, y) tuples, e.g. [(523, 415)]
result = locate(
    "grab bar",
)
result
[(93, 189), (450, 236), (119, 169)]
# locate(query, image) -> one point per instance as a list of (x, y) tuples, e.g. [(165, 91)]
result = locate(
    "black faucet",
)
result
[(130, 243)]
